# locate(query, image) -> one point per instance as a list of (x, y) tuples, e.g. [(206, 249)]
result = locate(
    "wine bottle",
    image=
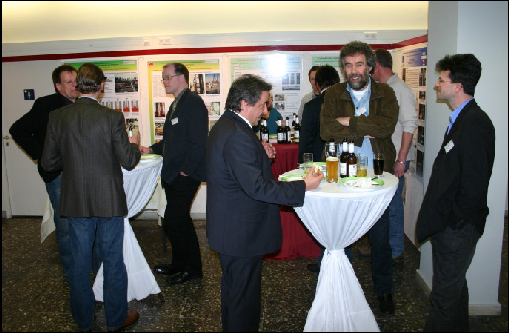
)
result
[(296, 134), (288, 130), (351, 160), (264, 131), (343, 166), (280, 132)]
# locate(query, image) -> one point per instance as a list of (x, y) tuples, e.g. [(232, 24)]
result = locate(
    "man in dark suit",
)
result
[(310, 140), (183, 150), (89, 143), (454, 209), (243, 201), (29, 132)]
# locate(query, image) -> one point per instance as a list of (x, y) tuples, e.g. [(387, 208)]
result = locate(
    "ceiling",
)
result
[(38, 21)]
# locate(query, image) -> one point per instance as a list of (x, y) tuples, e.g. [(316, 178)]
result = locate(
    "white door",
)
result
[(27, 192)]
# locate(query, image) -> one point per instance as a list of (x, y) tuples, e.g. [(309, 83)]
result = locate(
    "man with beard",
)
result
[(366, 112)]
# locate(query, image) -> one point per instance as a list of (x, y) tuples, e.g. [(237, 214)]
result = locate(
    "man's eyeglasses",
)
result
[(169, 77), (442, 81)]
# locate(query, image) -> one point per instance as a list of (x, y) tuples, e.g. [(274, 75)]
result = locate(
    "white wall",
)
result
[(479, 28)]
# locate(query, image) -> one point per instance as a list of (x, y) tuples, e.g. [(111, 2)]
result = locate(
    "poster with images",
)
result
[(121, 91), (328, 59), (413, 71), (283, 71), (204, 79)]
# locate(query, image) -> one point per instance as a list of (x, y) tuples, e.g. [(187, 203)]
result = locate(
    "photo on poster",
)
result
[(212, 83), (279, 97), (196, 83), (212, 123), (420, 135), (132, 126), (422, 111), (159, 110), (126, 82), (419, 163), (158, 130)]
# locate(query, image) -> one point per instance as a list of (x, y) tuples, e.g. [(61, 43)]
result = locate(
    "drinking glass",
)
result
[(378, 164), (308, 161), (362, 170)]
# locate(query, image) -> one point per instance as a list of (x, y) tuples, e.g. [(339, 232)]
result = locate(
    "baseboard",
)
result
[(473, 309)]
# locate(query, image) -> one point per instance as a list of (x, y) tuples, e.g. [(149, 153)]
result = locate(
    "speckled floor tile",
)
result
[(35, 294)]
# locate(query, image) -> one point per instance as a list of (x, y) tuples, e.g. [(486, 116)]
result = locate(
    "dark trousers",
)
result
[(179, 227), (381, 255), (452, 251), (241, 293)]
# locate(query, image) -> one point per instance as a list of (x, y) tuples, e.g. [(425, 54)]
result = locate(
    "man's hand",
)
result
[(145, 150), (399, 169), (269, 149), (345, 121), (313, 178), (135, 139)]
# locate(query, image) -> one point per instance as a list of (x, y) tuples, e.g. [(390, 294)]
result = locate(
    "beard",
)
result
[(358, 85)]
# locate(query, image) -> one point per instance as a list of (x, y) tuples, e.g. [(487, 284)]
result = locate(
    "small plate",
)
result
[(351, 183), (149, 156), (292, 178)]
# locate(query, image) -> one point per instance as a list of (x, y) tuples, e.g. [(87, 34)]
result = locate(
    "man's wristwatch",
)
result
[(398, 161)]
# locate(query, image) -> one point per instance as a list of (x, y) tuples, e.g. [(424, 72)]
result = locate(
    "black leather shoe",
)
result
[(386, 303), (313, 268), (166, 269), (182, 278)]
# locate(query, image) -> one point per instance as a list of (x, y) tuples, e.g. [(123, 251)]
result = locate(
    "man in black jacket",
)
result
[(183, 150), (29, 133), (454, 209)]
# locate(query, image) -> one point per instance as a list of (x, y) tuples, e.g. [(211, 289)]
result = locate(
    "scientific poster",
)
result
[(326, 59), (204, 79), (121, 91), (283, 71), (413, 71)]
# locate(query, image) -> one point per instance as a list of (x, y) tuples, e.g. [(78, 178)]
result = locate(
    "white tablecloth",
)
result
[(139, 184), (337, 217)]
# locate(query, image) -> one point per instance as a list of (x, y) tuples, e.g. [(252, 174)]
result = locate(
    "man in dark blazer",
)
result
[(310, 140), (454, 209), (29, 133), (183, 150), (243, 201), (89, 143)]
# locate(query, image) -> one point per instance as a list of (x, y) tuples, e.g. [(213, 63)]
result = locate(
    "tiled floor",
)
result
[(35, 295)]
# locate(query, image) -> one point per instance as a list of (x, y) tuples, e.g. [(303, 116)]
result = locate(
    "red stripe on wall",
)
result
[(229, 49)]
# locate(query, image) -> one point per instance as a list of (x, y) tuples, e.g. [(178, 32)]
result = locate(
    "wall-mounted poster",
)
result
[(283, 71), (414, 63), (121, 91), (204, 79), (331, 60)]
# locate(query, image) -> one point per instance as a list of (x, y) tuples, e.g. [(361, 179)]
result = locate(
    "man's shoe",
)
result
[(313, 268), (386, 303), (166, 269), (182, 278), (132, 317)]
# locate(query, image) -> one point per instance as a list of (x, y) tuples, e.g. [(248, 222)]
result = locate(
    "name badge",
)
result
[(175, 121), (448, 146)]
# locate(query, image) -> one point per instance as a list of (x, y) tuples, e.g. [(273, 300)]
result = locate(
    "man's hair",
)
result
[(314, 68), (326, 76), (179, 69), (89, 78), (464, 69), (354, 48), (247, 87), (384, 58), (55, 76)]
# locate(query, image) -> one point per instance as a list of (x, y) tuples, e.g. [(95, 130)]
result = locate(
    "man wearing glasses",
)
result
[(183, 149), (29, 132), (454, 208)]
